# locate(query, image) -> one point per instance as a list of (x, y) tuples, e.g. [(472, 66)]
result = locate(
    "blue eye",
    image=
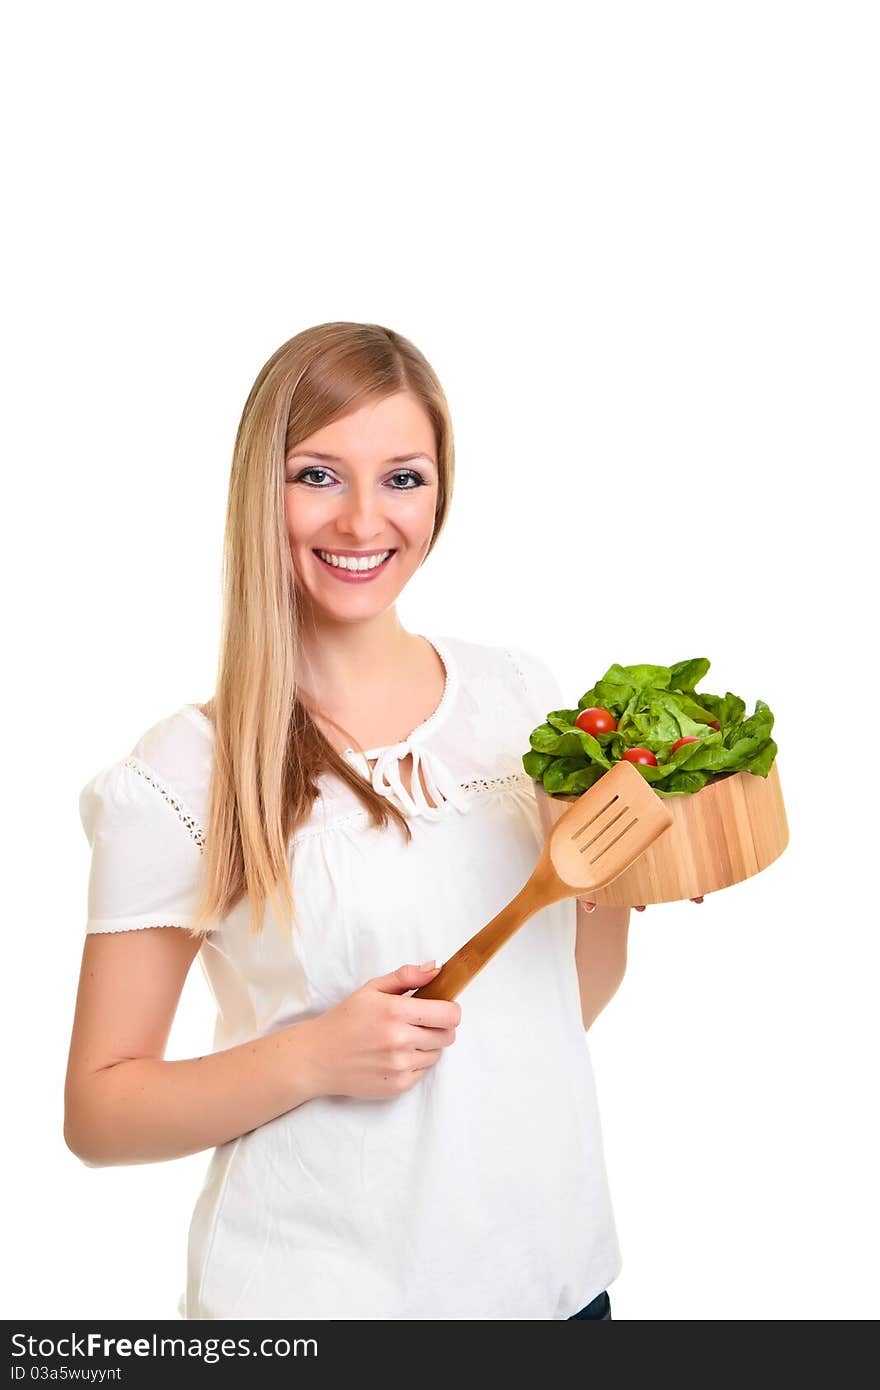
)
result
[(302, 475), (401, 473), (409, 473)]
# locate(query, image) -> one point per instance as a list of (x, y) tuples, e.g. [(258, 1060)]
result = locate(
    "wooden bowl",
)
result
[(730, 829)]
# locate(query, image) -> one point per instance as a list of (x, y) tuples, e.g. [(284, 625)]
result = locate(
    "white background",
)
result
[(639, 245)]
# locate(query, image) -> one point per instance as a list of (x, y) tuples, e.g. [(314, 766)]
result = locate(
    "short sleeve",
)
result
[(541, 686), (146, 855)]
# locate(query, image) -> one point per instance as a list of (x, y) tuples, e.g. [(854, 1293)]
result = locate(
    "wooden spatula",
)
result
[(597, 838)]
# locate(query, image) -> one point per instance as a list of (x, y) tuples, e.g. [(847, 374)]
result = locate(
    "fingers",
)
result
[(427, 1057), (433, 1039), (591, 907), (641, 908), (406, 977), (433, 1013)]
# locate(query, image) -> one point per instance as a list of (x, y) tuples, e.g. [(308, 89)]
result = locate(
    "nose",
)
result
[(361, 514)]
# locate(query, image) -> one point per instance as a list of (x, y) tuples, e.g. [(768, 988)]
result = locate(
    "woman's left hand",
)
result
[(590, 906)]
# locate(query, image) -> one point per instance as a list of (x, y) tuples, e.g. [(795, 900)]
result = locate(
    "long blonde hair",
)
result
[(268, 750)]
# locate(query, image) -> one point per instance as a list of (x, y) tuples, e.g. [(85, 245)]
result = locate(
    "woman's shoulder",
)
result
[(517, 666), (169, 762), (144, 818)]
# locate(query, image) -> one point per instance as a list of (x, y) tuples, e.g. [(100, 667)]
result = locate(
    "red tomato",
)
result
[(713, 724), (690, 738), (639, 755), (596, 720)]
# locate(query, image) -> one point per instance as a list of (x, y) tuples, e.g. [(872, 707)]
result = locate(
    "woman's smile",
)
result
[(355, 567)]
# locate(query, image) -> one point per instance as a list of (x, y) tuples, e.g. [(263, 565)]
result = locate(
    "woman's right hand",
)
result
[(376, 1043)]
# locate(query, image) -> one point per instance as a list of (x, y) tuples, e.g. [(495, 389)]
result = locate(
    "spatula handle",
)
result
[(468, 961)]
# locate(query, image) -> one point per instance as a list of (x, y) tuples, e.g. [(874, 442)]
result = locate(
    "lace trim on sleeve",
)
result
[(183, 812), (96, 925)]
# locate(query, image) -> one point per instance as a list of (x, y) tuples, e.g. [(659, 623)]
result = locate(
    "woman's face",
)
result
[(362, 486)]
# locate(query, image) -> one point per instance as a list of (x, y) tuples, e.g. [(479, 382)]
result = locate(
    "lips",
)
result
[(354, 576), (355, 554)]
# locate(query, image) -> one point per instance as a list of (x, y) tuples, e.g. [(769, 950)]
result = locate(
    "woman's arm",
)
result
[(123, 1103), (600, 956)]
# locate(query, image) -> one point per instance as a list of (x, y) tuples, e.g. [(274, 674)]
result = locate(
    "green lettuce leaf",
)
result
[(653, 706)]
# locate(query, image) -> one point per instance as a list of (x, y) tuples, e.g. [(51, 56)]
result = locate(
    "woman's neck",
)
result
[(337, 662)]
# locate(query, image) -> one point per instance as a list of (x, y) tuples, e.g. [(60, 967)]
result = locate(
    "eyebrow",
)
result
[(333, 458)]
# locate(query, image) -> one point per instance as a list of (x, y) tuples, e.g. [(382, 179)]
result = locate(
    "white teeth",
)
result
[(353, 562)]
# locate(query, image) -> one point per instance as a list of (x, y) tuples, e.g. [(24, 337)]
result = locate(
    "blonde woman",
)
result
[(345, 811)]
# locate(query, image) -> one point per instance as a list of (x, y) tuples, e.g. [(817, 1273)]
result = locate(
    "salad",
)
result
[(652, 716)]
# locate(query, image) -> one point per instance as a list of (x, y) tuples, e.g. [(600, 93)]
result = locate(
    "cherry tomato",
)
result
[(596, 720), (639, 755), (713, 724), (689, 738)]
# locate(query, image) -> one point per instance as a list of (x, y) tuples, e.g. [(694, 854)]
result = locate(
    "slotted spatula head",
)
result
[(597, 838), (607, 828)]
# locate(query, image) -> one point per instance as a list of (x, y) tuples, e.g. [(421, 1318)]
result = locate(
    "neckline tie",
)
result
[(384, 777)]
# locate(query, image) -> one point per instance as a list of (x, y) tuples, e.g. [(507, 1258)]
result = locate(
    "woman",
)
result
[(341, 816)]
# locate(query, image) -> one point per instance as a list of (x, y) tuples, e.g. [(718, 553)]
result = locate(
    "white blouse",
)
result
[(480, 1193)]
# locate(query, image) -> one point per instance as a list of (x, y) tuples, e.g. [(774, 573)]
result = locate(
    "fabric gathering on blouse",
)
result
[(479, 1193)]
